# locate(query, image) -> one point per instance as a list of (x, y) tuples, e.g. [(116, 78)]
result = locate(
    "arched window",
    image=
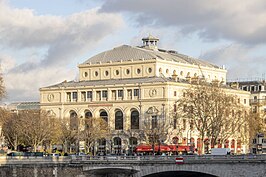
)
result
[(102, 142), (88, 116), (192, 142), (134, 119), (117, 145), (133, 141), (118, 120), (101, 146), (233, 144), (175, 140), (219, 143), (226, 143), (184, 141), (199, 145), (104, 115), (73, 120), (206, 145)]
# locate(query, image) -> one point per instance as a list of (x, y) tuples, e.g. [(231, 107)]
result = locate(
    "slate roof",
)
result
[(126, 52)]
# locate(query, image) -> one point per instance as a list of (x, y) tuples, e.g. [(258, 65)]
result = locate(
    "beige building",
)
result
[(127, 85), (257, 88)]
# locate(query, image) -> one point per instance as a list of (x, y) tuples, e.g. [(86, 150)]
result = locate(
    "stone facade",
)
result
[(132, 83)]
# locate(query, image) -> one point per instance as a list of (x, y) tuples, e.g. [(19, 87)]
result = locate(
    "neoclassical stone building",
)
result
[(128, 85)]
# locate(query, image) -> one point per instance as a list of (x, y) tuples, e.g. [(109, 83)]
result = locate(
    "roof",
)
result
[(24, 106), (126, 52), (113, 81), (248, 83), (150, 37)]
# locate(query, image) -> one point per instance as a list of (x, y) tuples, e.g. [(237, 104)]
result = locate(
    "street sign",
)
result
[(179, 160)]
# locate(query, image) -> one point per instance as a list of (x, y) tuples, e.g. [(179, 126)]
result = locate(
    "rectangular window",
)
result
[(104, 95), (68, 96), (89, 95), (174, 93), (120, 93), (245, 101), (254, 141), (75, 96), (136, 92), (254, 110)]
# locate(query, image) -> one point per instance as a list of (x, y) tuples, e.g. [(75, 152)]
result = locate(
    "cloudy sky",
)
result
[(42, 42)]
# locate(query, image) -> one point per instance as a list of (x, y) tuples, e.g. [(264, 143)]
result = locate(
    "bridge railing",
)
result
[(187, 158)]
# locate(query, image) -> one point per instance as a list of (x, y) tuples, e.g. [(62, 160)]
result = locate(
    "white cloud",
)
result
[(238, 20), (24, 86), (55, 43), (239, 60), (6, 63)]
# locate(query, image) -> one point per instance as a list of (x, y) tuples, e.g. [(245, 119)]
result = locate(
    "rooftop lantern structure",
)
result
[(150, 42)]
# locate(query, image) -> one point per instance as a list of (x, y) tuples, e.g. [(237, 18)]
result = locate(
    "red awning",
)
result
[(163, 148), (144, 148), (185, 148), (173, 147), (148, 148)]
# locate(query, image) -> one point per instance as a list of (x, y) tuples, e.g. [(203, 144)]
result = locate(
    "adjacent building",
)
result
[(128, 85), (257, 88)]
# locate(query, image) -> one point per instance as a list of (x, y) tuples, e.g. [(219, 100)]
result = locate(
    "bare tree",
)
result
[(214, 113), (257, 122), (10, 128), (36, 127), (95, 129), (155, 127), (2, 88), (29, 127), (66, 136)]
